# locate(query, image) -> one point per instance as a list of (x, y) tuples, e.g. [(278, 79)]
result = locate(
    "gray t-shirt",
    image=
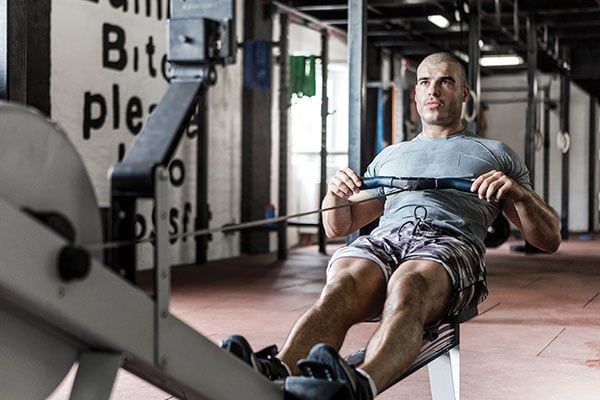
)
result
[(462, 155)]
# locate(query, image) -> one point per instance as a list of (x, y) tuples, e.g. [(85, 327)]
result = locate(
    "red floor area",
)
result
[(537, 336)]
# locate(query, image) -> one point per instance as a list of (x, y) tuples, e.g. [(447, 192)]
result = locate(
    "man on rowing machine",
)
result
[(425, 260)]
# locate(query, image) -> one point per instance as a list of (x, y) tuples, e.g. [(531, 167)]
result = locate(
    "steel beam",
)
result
[(565, 95), (324, 115), (4, 49), (546, 150), (592, 162), (256, 137), (474, 53), (284, 100), (203, 214), (357, 71), (530, 123)]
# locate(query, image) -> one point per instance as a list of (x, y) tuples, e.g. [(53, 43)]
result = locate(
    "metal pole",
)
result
[(400, 77), (324, 113), (4, 49), (531, 99), (357, 69), (592, 160), (202, 206), (284, 99), (474, 53), (546, 174), (516, 26), (565, 94)]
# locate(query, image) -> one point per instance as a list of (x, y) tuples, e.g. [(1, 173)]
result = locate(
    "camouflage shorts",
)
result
[(463, 261)]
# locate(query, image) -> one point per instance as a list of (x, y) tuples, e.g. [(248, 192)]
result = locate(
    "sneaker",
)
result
[(324, 362), (264, 361)]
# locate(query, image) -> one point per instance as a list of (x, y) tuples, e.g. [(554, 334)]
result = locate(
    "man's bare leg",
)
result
[(355, 291), (418, 294)]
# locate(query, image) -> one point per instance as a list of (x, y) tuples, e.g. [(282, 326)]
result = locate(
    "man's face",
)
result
[(439, 93)]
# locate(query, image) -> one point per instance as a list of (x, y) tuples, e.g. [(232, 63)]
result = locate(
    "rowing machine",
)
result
[(98, 319)]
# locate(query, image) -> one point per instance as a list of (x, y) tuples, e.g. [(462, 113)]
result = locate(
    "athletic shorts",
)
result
[(463, 260)]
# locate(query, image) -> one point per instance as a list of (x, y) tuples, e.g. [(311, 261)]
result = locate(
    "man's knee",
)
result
[(423, 292), (407, 290), (354, 285)]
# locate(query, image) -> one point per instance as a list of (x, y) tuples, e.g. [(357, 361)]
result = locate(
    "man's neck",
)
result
[(442, 132)]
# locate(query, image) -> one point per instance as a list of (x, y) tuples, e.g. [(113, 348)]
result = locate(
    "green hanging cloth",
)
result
[(296, 64), (303, 76), (309, 87)]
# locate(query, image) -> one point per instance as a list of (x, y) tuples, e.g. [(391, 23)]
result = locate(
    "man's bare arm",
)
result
[(538, 222), (344, 188)]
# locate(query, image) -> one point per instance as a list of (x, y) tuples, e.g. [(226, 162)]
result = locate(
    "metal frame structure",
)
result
[(324, 116), (4, 33), (357, 88), (284, 99), (474, 73), (284, 96), (565, 96), (592, 162), (200, 36)]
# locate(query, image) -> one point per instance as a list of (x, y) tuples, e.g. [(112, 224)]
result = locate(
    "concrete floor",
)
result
[(537, 335)]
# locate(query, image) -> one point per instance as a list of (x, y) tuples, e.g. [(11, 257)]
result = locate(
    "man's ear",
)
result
[(466, 93)]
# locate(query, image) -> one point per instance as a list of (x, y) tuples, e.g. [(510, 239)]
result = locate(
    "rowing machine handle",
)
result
[(464, 185), (461, 184)]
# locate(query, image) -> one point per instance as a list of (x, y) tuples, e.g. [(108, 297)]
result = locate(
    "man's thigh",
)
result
[(363, 283), (424, 283)]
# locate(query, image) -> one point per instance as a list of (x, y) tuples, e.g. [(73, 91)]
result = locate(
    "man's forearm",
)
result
[(538, 222), (362, 209), (336, 222)]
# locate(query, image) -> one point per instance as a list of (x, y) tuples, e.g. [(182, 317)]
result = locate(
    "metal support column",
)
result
[(546, 151), (162, 264), (324, 114), (531, 117), (14, 47), (530, 125), (202, 206), (256, 133), (25, 52), (474, 53), (357, 71), (4, 49), (284, 100), (565, 94), (592, 162)]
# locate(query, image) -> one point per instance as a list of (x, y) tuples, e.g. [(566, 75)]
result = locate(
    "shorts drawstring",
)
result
[(420, 220)]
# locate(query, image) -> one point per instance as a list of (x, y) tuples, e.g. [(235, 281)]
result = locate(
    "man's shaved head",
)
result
[(447, 58)]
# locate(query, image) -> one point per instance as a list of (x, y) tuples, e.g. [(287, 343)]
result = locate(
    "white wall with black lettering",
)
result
[(108, 71)]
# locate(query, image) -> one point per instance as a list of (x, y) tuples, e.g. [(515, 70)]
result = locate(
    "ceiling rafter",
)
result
[(402, 27)]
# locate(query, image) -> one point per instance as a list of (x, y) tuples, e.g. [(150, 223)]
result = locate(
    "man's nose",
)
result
[(433, 89)]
